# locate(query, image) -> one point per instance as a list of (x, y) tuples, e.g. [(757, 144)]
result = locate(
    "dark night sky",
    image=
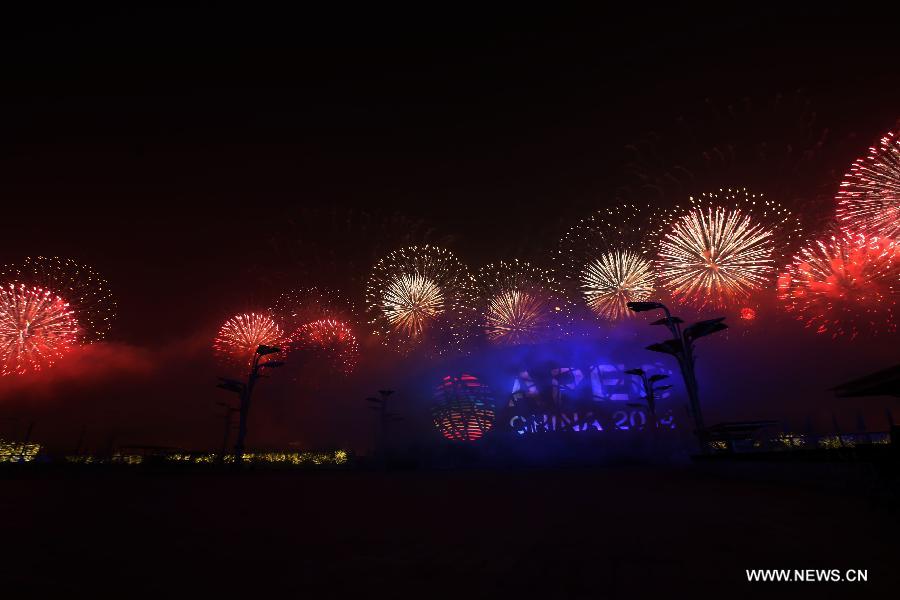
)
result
[(169, 149)]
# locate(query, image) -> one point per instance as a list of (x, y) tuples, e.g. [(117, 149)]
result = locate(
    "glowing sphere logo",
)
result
[(463, 408)]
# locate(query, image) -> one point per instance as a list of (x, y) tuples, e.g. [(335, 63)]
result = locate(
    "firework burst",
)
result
[(83, 288), (869, 198), (608, 256), (718, 256), (241, 335), (420, 294), (37, 327), (747, 314), (844, 284), (333, 339), (614, 279), (521, 303), (516, 317), (411, 302)]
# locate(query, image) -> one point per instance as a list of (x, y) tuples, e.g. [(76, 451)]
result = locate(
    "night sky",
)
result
[(186, 155)]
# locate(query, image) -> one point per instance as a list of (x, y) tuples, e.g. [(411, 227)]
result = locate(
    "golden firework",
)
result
[(614, 279), (420, 295), (716, 256)]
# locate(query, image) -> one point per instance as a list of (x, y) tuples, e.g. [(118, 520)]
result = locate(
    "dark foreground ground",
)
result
[(617, 532)]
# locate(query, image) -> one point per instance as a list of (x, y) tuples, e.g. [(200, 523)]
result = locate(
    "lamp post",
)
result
[(681, 346), (245, 391)]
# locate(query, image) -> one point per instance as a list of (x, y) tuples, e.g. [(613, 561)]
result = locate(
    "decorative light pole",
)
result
[(681, 346), (245, 391)]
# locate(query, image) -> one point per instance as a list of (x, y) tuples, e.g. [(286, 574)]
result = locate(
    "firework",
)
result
[(334, 339), (608, 256), (86, 291), (241, 335), (420, 294), (869, 198), (844, 284), (716, 256), (298, 307), (748, 313), (614, 279), (411, 302), (516, 317), (37, 327), (719, 256), (521, 303)]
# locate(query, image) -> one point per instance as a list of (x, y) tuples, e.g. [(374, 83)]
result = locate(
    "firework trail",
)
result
[(520, 303), (777, 144), (420, 296), (298, 307), (312, 242), (844, 284), (37, 327), (869, 198), (724, 249), (241, 335), (83, 288)]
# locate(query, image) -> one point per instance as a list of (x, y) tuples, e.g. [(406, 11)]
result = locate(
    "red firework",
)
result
[(843, 285), (241, 335), (332, 338), (299, 306), (86, 292), (748, 313), (869, 199), (37, 327)]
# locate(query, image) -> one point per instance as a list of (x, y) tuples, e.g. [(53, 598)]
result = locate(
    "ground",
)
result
[(615, 532)]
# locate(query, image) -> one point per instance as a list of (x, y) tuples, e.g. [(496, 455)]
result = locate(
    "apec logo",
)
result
[(564, 399), (568, 385)]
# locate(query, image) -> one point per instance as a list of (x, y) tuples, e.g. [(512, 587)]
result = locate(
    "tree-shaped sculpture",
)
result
[(681, 346), (244, 390)]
